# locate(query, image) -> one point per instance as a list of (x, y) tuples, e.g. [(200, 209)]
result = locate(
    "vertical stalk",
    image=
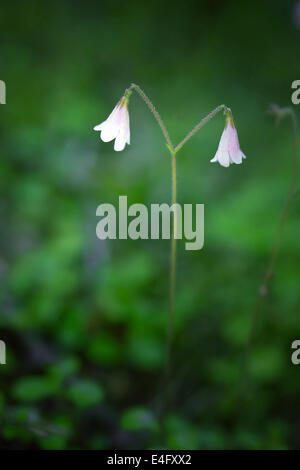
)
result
[(170, 326), (172, 261)]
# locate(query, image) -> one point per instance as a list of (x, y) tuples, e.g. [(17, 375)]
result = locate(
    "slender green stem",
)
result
[(172, 267), (170, 323), (202, 123)]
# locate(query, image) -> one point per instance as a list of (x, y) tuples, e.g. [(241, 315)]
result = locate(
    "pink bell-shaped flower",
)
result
[(116, 126), (229, 148)]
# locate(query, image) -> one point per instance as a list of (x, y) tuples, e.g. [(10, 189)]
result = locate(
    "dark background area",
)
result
[(84, 320)]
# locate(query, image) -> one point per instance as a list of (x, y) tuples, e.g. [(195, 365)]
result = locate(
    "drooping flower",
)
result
[(229, 148), (116, 125)]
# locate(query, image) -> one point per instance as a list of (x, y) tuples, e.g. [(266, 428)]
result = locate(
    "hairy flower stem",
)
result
[(156, 114), (202, 123)]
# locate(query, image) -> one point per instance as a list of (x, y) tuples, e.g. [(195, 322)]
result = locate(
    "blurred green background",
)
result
[(84, 320)]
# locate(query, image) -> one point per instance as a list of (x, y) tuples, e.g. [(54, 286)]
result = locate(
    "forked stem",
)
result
[(173, 150)]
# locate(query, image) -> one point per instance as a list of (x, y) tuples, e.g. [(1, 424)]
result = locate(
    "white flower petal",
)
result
[(236, 157), (127, 127), (116, 126), (224, 139), (111, 128), (229, 148), (120, 142), (223, 157), (109, 133), (99, 127), (124, 135)]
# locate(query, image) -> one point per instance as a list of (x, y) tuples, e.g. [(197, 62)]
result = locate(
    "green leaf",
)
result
[(66, 367), (34, 388), (138, 418), (104, 348), (85, 393)]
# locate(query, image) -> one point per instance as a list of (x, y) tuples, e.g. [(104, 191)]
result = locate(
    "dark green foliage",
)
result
[(84, 321)]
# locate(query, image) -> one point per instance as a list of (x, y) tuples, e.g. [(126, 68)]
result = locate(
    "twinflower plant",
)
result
[(116, 127)]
